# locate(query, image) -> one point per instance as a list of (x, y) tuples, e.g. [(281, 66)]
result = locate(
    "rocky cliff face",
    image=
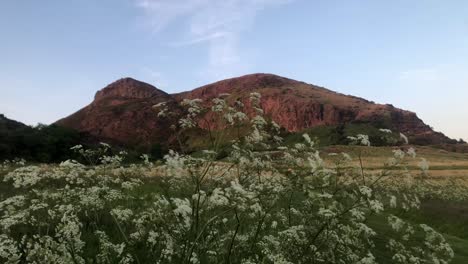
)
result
[(122, 111), (297, 105)]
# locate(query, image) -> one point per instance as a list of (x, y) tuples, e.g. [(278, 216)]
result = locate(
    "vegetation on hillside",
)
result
[(41, 143), (53, 143)]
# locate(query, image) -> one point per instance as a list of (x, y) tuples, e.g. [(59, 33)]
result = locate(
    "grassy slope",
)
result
[(337, 134)]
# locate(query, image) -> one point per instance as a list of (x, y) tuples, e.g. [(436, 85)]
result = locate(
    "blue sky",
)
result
[(55, 54)]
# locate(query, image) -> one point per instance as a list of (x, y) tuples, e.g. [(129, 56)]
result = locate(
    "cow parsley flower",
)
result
[(360, 139), (404, 138), (393, 201), (387, 131), (376, 206), (411, 152), (398, 154), (396, 223), (423, 165), (274, 224), (366, 191), (122, 215), (326, 213)]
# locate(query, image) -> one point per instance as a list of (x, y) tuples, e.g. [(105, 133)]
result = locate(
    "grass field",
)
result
[(442, 163), (448, 217)]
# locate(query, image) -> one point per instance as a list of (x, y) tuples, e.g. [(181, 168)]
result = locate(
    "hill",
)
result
[(40, 143), (122, 112)]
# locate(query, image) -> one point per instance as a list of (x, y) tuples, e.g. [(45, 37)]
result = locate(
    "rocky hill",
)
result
[(122, 112)]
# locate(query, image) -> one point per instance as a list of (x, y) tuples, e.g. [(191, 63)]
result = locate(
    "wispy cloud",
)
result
[(198, 40), (155, 77), (443, 74), (216, 24), (427, 74)]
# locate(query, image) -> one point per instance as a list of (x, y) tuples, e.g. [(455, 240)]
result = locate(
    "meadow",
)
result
[(447, 212), (263, 202)]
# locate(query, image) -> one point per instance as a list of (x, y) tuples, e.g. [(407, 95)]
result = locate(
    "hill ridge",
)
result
[(122, 110)]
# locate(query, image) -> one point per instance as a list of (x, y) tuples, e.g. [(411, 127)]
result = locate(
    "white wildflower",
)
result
[(360, 139), (327, 213), (376, 206), (423, 165), (366, 191), (398, 154), (404, 138), (369, 259), (387, 131), (411, 152), (104, 145), (122, 215), (393, 201), (395, 223), (274, 224)]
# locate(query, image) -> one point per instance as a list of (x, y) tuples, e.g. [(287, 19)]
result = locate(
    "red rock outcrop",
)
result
[(122, 112), (297, 105)]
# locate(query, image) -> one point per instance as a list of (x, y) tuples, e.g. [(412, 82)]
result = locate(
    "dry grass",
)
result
[(444, 165), (377, 156)]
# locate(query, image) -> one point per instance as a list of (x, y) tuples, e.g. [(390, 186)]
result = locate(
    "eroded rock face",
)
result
[(123, 112), (297, 105), (298, 115), (128, 88)]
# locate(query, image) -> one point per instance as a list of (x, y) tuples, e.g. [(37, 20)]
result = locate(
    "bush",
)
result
[(39, 144)]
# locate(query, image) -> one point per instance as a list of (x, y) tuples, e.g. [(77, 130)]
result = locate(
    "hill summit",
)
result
[(122, 113), (128, 88)]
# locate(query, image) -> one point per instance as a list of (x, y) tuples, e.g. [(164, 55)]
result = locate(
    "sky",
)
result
[(55, 54)]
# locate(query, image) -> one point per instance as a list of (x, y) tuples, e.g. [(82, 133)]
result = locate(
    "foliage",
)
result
[(53, 144), (267, 203), (41, 143), (339, 134)]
